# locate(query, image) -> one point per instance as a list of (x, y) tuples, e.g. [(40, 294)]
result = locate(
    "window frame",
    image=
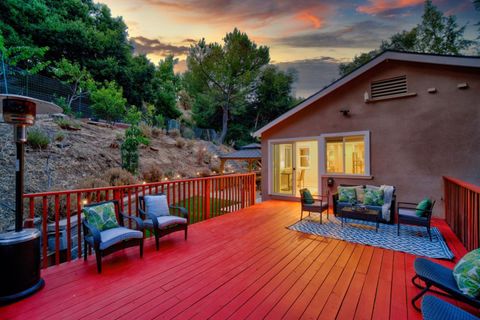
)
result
[(323, 150)]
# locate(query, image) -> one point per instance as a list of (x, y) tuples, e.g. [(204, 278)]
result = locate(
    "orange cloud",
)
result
[(306, 16), (380, 6)]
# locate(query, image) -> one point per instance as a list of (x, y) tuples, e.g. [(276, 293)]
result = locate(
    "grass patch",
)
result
[(195, 205)]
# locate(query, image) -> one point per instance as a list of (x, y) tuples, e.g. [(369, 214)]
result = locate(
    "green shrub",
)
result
[(129, 148), (134, 116), (108, 102), (37, 139), (59, 136), (160, 121), (65, 123)]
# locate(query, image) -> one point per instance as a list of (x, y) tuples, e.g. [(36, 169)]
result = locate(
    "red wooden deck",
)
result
[(240, 265)]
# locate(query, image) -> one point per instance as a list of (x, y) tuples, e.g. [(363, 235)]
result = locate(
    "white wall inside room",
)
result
[(306, 160)]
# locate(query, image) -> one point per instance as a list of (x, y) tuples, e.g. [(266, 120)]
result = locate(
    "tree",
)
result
[(167, 85), (439, 34), (273, 96), (77, 78), (224, 75), (435, 34), (108, 102)]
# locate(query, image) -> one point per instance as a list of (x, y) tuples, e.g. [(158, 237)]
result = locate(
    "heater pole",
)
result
[(19, 171)]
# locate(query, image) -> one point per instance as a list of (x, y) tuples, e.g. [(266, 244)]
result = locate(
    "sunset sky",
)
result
[(311, 36)]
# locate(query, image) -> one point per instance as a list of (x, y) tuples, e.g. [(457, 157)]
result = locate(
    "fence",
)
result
[(462, 210), (191, 131), (40, 87), (204, 198)]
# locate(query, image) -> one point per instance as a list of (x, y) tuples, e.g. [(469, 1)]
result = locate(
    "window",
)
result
[(346, 154), (304, 157)]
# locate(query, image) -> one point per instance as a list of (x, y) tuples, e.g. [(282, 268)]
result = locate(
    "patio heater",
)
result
[(20, 249)]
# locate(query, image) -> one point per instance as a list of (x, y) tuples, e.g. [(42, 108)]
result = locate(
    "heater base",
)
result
[(23, 294)]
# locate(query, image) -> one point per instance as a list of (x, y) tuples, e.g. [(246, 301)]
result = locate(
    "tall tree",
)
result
[(435, 34), (167, 85), (227, 72)]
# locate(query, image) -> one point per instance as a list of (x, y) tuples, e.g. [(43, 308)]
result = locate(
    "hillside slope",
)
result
[(89, 153)]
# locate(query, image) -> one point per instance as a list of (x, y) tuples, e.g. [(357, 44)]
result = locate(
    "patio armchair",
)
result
[(407, 214), (157, 216), (438, 276), (106, 233), (436, 309), (320, 203)]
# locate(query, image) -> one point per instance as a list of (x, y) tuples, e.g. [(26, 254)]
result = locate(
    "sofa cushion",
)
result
[(467, 274), (101, 216), (373, 197), (166, 221), (423, 206), (307, 197), (157, 204), (347, 194)]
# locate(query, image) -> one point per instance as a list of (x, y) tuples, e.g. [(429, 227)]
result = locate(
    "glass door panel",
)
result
[(306, 154), (283, 169)]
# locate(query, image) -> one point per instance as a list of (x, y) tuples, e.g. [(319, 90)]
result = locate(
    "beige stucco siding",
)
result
[(414, 141)]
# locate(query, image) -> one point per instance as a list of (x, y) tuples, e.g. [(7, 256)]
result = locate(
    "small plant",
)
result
[(118, 177), (188, 133), (152, 174), (134, 116), (37, 139), (129, 148), (201, 154), (62, 103), (156, 132), (67, 124), (174, 133), (146, 130), (180, 142), (59, 136), (205, 173), (159, 121)]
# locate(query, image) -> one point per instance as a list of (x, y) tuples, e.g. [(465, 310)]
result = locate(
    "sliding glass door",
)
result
[(283, 169), (295, 166)]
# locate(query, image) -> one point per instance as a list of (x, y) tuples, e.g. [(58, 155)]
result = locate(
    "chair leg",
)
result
[(141, 248), (321, 217), (98, 256), (186, 233), (301, 215), (157, 240), (429, 233), (398, 228), (85, 251), (418, 296)]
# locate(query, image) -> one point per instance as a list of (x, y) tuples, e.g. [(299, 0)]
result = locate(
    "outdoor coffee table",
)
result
[(357, 212)]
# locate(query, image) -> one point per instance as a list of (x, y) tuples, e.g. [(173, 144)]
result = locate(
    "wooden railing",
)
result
[(462, 210), (60, 211)]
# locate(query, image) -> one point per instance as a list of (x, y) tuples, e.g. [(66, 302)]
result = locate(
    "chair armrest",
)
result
[(145, 215), (407, 203), (137, 220), (91, 230), (182, 210)]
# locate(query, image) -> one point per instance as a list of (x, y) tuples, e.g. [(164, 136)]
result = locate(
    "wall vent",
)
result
[(388, 87)]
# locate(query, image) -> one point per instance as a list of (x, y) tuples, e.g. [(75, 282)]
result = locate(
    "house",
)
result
[(403, 119)]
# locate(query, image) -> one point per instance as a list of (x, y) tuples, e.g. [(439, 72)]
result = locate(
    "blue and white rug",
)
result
[(412, 239)]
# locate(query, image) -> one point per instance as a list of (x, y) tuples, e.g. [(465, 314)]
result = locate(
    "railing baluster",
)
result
[(69, 231), (57, 229), (44, 231), (79, 223)]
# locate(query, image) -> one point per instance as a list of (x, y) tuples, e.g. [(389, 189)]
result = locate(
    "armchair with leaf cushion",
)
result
[(104, 230)]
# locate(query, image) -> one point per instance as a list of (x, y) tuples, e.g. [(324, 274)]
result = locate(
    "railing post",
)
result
[(206, 195), (254, 189)]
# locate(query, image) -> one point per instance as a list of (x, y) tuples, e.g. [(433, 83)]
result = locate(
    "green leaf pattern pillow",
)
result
[(102, 217), (373, 197), (347, 195), (467, 274)]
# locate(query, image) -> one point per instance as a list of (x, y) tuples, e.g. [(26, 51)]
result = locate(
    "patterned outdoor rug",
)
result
[(412, 239)]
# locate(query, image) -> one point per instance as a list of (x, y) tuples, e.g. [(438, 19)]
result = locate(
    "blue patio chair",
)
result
[(436, 309), (436, 275)]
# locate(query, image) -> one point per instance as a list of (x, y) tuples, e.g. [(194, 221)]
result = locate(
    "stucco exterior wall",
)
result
[(414, 141)]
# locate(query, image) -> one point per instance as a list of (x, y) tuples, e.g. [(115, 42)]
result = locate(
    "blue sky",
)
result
[(310, 35)]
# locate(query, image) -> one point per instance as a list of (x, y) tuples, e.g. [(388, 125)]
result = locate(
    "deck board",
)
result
[(241, 265)]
